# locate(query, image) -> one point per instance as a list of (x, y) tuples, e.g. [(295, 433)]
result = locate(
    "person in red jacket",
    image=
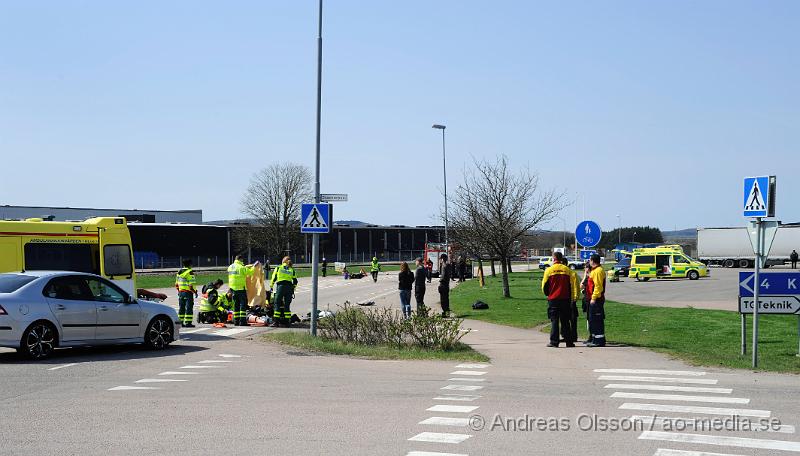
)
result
[(561, 288)]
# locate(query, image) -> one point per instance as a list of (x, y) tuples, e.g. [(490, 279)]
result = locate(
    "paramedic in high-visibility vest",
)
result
[(185, 283), (237, 281), (596, 291), (374, 268), (284, 281)]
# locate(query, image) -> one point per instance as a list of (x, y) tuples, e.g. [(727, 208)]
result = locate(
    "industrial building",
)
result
[(62, 214)]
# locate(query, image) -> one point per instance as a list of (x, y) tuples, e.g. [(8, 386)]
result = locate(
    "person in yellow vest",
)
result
[(185, 283), (284, 280), (237, 281), (374, 268)]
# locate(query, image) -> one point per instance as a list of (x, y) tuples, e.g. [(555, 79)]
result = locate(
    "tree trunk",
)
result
[(509, 265), (480, 272), (504, 269), (494, 273)]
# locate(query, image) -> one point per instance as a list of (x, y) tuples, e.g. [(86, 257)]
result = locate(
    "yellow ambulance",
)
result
[(666, 261), (99, 246)]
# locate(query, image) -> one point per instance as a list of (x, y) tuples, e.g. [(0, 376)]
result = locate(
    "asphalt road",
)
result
[(231, 393)]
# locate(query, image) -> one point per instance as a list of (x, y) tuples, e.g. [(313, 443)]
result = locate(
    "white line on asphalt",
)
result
[(454, 397), (431, 453), (201, 367), (126, 388), (178, 373), (682, 398), (472, 366), (159, 380), (684, 389), (225, 355), (703, 439), (230, 331), (695, 409), (62, 366), (214, 361), (650, 371), (476, 373), (439, 437), (462, 387), (673, 422), (446, 421), (666, 452), (457, 379), (630, 378), (453, 408), (192, 331)]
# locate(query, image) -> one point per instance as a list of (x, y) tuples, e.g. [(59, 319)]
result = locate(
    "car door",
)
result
[(73, 307), (118, 316)]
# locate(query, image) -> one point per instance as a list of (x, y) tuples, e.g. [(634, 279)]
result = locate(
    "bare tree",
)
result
[(495, 208), (273, 201)]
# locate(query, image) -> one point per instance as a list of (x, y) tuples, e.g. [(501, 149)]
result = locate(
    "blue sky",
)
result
[(652, 110)]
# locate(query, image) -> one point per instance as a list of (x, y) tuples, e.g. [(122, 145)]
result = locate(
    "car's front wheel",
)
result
[(39, 340), (159, 333), (693, 275)]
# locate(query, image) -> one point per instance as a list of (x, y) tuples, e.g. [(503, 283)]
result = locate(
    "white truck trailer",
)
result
[(730, 247)]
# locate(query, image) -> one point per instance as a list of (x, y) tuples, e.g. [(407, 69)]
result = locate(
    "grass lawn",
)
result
[(303, 340), (701, 337)]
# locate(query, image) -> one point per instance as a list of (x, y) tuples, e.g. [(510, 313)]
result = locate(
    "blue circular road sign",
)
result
[(588, 233)]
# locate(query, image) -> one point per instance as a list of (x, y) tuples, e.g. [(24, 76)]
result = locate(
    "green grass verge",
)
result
[(701, 337), (305, 341)]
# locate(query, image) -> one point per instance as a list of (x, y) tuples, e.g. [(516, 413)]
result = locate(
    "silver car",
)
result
[(42, 310)]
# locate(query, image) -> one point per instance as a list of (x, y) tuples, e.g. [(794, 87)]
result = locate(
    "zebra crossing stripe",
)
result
[(446, 421), (431, 453), (666, 452), (439, 437), (453, 408), (696, 409), (682, 389), (631, 378), (682, 398), (462, 387), (721, 440), (650, 371)]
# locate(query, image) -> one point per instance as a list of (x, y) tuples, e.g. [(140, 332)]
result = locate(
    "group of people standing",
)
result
[(561, 286), (416, 280)]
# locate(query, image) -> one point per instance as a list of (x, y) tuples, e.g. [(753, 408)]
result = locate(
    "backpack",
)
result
[(480, 305)]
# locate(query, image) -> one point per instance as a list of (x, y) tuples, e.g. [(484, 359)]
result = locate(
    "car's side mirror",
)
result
[(129, 299)]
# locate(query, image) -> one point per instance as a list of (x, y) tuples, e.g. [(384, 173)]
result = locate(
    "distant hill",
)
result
[(688, 233)]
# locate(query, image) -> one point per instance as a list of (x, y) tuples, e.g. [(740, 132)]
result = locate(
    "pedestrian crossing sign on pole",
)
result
[(759, 196), (316, 218)]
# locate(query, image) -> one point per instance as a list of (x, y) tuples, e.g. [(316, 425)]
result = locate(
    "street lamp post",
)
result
[(619, 229), (315, 236), (444, 172)]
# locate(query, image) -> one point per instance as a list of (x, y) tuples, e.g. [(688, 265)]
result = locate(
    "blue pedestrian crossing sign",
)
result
[(587, 254), (316, 218), (759, 196), (588, 233)]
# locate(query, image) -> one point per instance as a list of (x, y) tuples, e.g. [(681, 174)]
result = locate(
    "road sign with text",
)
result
[(772, 284)]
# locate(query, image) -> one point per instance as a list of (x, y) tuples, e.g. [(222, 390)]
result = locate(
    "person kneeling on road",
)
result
[(284, 280), (560, 287), (209, 303), (596, 290)]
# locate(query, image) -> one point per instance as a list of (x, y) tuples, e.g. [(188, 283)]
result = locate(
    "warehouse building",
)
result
[(62, 214)]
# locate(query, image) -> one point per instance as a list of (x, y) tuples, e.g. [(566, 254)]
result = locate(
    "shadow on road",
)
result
[(100, 354)]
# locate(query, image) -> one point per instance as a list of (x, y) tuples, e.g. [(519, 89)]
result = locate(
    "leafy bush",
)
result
[(383, 326)]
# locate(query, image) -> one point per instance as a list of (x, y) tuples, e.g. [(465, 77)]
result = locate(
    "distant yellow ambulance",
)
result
[(99, 246), (664, 262)]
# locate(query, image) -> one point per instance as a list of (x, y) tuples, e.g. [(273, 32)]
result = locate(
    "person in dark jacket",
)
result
[(793, 258), (324, 267), (462, 268), (420, 276), (405, 282), (429, 269), (445, 274), (561, 288)]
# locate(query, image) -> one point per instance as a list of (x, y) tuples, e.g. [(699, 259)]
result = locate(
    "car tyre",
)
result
[(693, 275), (159, 334), (744, 264), (39, 341), (729, 263), (573, 267)]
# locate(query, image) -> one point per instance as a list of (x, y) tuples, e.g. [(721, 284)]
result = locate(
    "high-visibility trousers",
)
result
[(283, 300), (186, 307), (240, 307)]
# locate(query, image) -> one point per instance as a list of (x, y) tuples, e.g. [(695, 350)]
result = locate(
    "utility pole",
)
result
[(315, 236), (444, 170)]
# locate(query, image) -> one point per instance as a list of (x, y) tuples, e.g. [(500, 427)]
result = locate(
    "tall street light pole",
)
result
[(444, 170), (315, 236), (619, 229)]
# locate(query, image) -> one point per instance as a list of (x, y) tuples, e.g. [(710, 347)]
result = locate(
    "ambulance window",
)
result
[(117, 260), (645, 259), (680, 259), (59, 257)]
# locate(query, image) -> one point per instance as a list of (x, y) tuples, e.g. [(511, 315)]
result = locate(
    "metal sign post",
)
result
[(315, 236), (756, 288)]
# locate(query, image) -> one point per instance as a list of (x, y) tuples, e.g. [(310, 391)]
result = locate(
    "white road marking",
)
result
[(201, 367), (126, 388), (214, 361), (178, 373), (682, 398), (457, 379), (703, 439), (684, 389), (62, 366), (673, 421), (695, 409), (630, 378), (650, 371), (665, 452), (473, 366), (453, 408), (439, 437), (431, 453), (159, 380), (446, 421), (230, 331), (454, 397), (476, 373), (192, 331), (462, 387), (225, 355)]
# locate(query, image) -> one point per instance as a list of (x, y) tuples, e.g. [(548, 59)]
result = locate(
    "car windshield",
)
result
[(10, 283), (624, 262)]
